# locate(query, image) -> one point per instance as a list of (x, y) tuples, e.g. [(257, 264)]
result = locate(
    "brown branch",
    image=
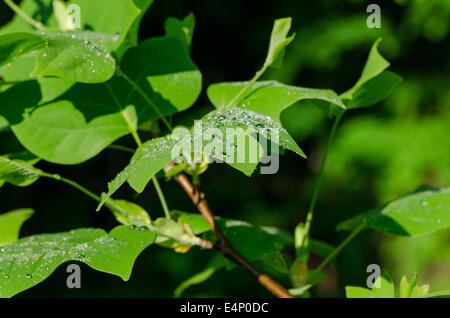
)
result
[(223, 245)]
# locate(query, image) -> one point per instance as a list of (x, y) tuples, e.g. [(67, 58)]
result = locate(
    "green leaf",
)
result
[(14, 45), (375, 64), (253, 242), (10, 224), (269, 98), (18, 172), (114, 17), (415, 214), (374, 90), (374, 84), (29, 261), (165, 72), (70, 129), (386, 289), (358, 292), (74, 56), (73, 127), (128, 213), (411, 289), (182, 30), (278, 42), (153, 155), (132, 38)]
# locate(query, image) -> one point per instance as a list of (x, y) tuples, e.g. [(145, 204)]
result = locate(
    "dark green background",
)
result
[(380, 153)]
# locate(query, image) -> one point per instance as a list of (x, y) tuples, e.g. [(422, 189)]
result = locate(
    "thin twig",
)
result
[(223, 245)]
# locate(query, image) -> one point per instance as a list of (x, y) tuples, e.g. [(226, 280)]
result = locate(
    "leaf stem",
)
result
[(315, 195), (38, 25), (145, 97), (238, 96), (341, 246)]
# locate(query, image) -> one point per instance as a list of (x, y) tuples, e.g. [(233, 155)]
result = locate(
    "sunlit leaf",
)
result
[(269, 98), (278, 42)]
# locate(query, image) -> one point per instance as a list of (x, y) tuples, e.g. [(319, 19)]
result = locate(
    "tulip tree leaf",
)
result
[(374, 83), (10, 224), (111, 16), (278, 42), (182, 30), (81, 120), (14, 45), (164, 71), (18, 172), (269, 98), (29, 261), (415, 214), (153, 155), (132, 37), (73, 56)]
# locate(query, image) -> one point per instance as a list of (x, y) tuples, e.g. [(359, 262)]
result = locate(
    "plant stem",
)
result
[(341, 246), (238, 96), (145, 97), (315, 195), (38, 25), (223, 245), (161, 197)]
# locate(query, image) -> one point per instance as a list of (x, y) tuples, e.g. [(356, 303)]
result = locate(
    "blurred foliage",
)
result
[(380, 153)]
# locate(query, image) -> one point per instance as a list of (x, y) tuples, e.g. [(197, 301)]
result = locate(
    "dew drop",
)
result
[(133, 227), (28, 276), (424, 203), (143, 228)]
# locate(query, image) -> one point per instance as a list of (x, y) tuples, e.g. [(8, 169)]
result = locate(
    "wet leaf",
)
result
[(269, 98), (29, 261)]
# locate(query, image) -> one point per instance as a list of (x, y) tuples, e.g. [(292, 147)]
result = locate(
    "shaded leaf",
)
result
[(215, 265), (31, 260), (183, 30)]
